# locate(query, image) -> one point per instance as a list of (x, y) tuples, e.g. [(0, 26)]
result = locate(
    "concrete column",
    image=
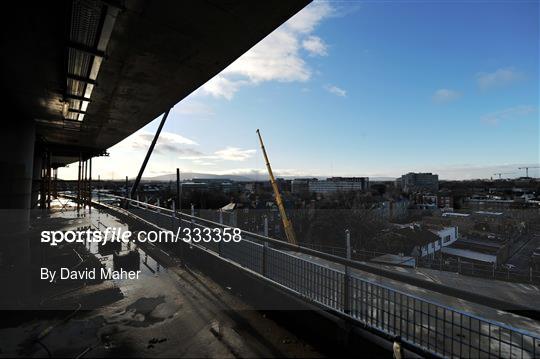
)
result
[(36, 182), (17, 164)]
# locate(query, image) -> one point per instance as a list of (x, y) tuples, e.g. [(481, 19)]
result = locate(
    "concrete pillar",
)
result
[(36, 181), (17, 164)]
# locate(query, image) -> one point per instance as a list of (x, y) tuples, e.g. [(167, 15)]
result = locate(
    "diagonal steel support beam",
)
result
[(148, 154)]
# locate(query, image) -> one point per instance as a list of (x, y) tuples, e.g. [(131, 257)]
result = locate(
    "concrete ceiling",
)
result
[(158, 53)]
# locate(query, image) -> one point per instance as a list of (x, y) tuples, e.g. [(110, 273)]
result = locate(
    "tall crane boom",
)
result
[(287, 225)]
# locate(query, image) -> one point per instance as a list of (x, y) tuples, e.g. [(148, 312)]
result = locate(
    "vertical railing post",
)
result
[(346, 279), (178, 191), (156, 211), (192, 222), (127, 193), (220, 216), (181, 241), (264, 258), (78, 187), (265, 247), (90, 185), (173, 216)]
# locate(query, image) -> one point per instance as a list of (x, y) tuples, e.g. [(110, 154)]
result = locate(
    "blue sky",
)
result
[(364, 88)]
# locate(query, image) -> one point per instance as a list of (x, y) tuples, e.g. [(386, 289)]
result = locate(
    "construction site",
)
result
[(74, 284)]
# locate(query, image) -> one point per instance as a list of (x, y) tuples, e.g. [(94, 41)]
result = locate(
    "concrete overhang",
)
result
[(152, 54)]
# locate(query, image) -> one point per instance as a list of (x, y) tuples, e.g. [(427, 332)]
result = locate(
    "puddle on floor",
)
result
[(118, 255)]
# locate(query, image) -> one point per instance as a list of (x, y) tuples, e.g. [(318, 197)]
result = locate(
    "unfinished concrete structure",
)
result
[(83, 75)]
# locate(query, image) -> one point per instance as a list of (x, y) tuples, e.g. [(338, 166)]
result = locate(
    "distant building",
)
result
[(284, 185), (215, 184), (392, 209), (445, 200), (419, 182), (301, 185), (426, 241), (339, 184), (478, 251), (194, 186)]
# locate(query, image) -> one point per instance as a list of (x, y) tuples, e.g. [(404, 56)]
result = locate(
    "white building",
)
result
[(339, 184), (428, 241), (447, 235)]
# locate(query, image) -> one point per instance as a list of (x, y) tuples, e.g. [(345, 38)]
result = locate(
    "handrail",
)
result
[(343, 261), (432, 286)]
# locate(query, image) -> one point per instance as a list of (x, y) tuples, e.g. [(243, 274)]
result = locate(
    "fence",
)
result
[(420, 323), (445, 264)]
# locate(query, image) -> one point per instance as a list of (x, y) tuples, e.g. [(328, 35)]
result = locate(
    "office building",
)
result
[(419, 182), (339, 184)]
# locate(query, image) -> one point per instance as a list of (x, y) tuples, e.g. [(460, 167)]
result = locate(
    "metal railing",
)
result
[(420, 323), (444, 264)]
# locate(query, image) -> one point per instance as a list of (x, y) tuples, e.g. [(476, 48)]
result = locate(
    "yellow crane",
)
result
[(287, 225)]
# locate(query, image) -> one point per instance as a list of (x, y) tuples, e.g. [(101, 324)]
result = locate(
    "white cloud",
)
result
[(188, 107), (499, 78), (234, 154), (203, 163), (173, 138), (315, 46), (226, 154), (308, 18), (336, 90), (445, 95), (220, 86), (278, 172), (167, 141), (495, 118), (277, 57)]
